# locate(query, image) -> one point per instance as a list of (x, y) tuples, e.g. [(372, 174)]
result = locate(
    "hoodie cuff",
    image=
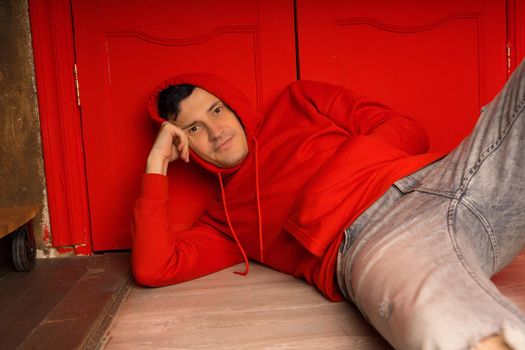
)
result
[(155, 186)]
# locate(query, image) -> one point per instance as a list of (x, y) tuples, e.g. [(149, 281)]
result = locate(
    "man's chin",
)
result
[(229, 163), (226, 165)]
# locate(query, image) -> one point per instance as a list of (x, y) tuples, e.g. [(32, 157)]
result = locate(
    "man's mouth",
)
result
[(223, 144)]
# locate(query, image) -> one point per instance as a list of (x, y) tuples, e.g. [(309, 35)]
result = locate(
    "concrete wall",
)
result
[(22, 178)]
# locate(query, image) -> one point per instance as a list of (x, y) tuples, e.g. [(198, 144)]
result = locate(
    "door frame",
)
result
[(61, 122), (60, 125)]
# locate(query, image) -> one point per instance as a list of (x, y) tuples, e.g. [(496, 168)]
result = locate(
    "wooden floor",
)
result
[(265, 310), (64, 303)]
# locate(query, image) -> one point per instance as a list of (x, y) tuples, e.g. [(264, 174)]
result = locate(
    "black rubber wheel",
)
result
[(24, 250)]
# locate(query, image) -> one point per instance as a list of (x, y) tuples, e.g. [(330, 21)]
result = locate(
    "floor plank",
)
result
[(63, 303), (264, 310), (225, 311)]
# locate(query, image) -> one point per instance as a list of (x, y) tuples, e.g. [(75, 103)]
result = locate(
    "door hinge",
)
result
[(509, 51), (77, 89)]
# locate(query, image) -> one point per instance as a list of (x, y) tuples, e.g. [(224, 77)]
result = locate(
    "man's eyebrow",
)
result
[(187, 126), (214, 105)]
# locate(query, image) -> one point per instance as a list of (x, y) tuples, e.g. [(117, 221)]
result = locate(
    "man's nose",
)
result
[(215, 130)]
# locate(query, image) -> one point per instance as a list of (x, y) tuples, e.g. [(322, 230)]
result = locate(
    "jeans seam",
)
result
[(451, 214), (473, 208), (448, 194), (491, 148)]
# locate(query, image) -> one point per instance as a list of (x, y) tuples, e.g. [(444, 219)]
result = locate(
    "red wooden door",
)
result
[(125, 48), (439, 61)]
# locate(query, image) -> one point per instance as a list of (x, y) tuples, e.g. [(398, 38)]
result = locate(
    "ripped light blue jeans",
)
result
[(418, 262)]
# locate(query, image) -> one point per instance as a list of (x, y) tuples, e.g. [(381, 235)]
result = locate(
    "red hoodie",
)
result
[(319, 157)]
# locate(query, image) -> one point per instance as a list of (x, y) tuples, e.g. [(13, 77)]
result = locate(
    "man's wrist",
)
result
[(157, 166)]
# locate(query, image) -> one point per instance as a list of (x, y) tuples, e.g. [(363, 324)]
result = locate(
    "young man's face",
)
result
[(213, 130)]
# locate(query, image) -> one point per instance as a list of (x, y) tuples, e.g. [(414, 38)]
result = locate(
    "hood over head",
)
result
[(227, 93)]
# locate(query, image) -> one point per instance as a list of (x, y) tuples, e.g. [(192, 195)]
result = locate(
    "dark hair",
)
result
[(169, 100)]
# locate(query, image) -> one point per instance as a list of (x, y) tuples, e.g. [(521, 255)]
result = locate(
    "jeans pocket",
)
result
[(407, 184), (350, 235)]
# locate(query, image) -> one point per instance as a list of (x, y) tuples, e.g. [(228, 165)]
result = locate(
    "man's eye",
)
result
[(193, 129), (217, 110)]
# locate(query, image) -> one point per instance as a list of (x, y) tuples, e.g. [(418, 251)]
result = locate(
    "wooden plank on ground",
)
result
[(64, 303), (264, 310)]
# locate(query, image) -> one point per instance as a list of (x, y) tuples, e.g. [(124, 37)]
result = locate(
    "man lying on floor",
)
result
[(339, 190)]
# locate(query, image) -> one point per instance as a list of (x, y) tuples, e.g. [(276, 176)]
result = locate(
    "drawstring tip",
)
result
[(243, 273)]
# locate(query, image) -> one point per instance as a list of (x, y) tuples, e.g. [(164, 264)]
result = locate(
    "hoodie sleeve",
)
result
[(382, 146), (360, 115), (161, 253)]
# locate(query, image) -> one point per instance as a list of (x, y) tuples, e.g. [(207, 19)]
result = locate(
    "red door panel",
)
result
[(439, 61), (125, 48)]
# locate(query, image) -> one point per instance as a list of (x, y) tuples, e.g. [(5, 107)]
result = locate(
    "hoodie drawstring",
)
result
[(246, 263), (258, 200)]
